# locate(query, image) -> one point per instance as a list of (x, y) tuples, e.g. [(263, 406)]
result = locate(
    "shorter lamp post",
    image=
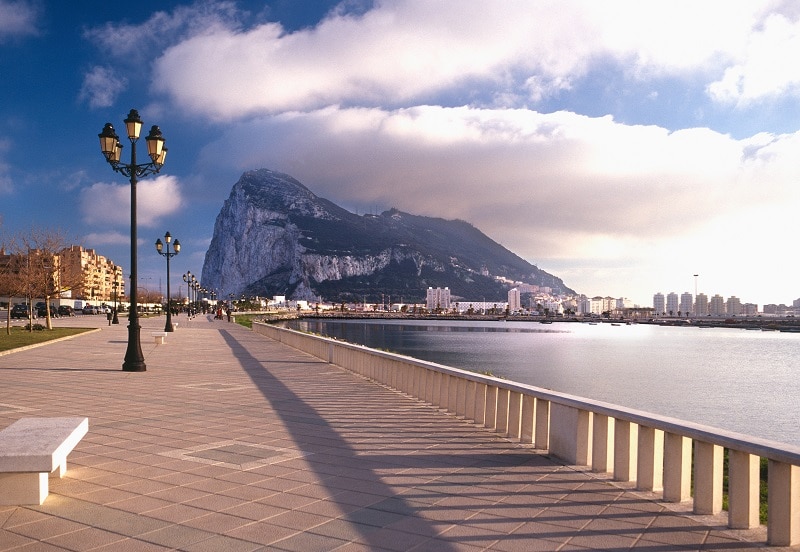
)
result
[(115, 285), (188, 279), (176, 249)]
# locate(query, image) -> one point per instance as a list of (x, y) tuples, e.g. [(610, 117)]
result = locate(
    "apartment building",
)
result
[(83, 274), (514, 304), (701, 305), (659, 304), (438, 298)]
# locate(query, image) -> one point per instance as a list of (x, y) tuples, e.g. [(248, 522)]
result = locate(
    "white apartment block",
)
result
[(673, 306), (686, 305), (733, 307), (716, 307), (701, 305), (659, 305), (514, 304), (438, 299)]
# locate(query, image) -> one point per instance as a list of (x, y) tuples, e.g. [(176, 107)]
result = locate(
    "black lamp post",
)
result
[(112, 150), (176, 249), (188, 279), (115, 285)]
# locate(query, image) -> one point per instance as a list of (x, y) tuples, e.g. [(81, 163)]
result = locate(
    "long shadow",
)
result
[(427, 477), (344, 474)]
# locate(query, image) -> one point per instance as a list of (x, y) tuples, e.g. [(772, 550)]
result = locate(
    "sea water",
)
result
[(740, 380)]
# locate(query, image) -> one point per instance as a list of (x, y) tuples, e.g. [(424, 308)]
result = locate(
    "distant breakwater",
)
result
[(788, 324)]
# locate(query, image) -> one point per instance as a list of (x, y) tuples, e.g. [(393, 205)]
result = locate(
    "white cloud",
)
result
[(17, 19), (101, 86), (762, 71), (404, 51), (110, 204)]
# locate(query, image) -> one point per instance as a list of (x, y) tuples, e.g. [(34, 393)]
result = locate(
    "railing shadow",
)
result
[(368, 503)]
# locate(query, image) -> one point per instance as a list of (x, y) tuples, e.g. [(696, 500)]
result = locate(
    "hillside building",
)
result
[(514, 304)]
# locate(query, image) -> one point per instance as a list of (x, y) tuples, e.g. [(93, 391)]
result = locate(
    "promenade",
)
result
[(233, 442)]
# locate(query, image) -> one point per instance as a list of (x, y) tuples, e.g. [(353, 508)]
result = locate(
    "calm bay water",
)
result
[(740, 380)]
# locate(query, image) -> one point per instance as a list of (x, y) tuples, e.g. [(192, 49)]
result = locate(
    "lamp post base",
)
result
[(134, 358)]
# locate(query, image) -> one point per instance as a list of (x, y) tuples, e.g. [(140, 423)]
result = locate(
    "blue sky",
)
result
[(622, 145)]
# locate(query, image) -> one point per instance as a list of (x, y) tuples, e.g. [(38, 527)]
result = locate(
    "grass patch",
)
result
[(245, 320), (21, 337)]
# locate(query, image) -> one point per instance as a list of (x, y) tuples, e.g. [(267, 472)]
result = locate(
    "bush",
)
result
[(36, 327)]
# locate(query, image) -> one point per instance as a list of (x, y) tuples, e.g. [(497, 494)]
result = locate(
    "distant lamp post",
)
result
[(115, 285), (188, 279), (176, 247), (112, 150)]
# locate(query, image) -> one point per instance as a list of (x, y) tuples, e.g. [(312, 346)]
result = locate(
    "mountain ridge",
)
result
[(274, 236)]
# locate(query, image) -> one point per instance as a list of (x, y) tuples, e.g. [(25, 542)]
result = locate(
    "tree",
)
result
[(34, 270)]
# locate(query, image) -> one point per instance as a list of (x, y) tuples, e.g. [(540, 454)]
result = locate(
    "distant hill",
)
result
[(273, 236)]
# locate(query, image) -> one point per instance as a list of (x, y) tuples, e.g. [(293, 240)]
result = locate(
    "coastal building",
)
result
[(733, 306), (686, 305), (716, 307), (701, 305), (89, 276), (514, 300), (438, 299), (659, 304), (673, 305), (76, 273), (749, 309)]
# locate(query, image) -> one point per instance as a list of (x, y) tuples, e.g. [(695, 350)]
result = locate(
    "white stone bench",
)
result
[(32, 448), (160, 337)]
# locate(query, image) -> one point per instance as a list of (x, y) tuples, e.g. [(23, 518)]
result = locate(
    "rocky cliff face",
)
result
[(275, 237)]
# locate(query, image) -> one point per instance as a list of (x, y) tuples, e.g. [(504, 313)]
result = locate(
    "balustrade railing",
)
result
[(681, 460)]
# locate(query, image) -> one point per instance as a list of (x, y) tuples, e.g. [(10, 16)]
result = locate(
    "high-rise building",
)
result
[(701, 305), (438, 299), (659, 306), (685, 307), (733, 307), (673, 306), (716, 307), (514, 300)]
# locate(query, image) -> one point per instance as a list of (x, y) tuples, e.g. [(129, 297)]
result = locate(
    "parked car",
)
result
[(65, 310), (41, 311), (89, 309), (19, 311)]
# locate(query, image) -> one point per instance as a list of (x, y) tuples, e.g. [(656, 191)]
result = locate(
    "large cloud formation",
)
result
[(599, 139)]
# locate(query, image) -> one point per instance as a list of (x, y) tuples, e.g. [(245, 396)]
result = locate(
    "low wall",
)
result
[(681, 460)]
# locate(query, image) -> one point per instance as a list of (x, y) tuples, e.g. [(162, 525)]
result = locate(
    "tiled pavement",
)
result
[(232, 442)]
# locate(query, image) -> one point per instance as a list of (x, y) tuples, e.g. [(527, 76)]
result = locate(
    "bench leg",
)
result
[(61, 469), (18, 489)]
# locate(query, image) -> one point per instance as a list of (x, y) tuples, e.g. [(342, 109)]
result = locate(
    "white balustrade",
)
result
[(656, 453)]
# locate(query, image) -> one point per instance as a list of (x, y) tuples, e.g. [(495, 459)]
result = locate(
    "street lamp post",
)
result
[(188, 279), (112, 150), (115, 285), (176, 249)]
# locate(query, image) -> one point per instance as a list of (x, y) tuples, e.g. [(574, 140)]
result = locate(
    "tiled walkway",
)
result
[(232, 442)]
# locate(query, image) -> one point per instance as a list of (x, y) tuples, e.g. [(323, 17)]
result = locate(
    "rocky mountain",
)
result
[(273, 236)]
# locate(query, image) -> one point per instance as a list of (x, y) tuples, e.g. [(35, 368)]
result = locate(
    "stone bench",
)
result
[(32, 448), (160, 337)]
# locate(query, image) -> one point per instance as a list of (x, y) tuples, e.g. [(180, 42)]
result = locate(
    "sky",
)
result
[(624, 146)]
